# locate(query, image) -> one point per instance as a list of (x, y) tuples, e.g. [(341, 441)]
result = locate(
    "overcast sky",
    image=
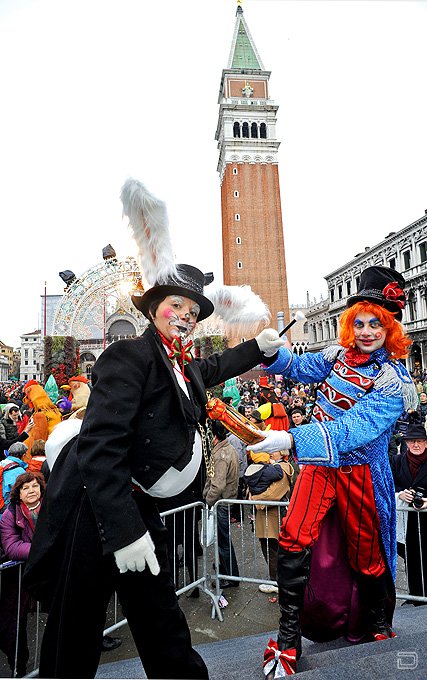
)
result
[(95, 91)]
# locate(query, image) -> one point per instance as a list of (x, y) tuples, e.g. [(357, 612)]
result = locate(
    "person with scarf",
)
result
[(410, 474), (345, 486), (17, 528), (143, 437)]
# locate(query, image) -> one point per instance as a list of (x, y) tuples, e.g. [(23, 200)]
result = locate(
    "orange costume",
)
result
[(45, 414)]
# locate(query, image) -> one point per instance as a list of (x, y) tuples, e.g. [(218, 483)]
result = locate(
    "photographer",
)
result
[(410, 478)]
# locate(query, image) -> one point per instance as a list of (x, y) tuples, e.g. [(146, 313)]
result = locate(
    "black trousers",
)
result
[(270, 549), (71, 646)]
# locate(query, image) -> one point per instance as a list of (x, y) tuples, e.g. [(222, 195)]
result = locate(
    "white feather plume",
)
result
[(149, 225), (239, 309)]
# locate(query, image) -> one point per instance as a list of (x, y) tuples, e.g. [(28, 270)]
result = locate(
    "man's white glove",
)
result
[(275, 440), (269, 342), (134, 556)]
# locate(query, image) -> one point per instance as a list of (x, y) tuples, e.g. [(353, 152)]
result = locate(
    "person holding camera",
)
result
[(410, 478)]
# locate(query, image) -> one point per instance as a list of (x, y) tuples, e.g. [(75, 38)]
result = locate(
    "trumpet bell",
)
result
[(234, 421)]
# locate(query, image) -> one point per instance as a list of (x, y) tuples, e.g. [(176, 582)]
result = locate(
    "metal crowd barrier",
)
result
[(195, 566), (252, 566), (14, 569)]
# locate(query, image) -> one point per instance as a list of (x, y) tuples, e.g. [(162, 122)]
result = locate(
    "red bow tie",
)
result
[(179, 352)]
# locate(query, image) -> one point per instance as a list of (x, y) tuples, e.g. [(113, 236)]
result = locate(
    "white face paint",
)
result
[(369, 333), (176, 316)]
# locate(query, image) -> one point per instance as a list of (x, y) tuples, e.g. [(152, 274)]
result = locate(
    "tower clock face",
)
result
[(247, 91)]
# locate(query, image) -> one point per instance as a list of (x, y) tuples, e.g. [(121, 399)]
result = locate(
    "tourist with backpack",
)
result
[(10, 469)]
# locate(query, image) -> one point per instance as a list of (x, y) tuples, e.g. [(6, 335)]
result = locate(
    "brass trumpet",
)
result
[(234, 421)]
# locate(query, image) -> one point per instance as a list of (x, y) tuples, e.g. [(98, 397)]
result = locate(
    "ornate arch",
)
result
[(95, 296)]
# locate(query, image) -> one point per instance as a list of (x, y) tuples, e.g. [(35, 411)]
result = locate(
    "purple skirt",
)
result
[(332, 606)]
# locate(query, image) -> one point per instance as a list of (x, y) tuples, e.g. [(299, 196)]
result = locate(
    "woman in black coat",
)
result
[(142, 438), (410, 475)]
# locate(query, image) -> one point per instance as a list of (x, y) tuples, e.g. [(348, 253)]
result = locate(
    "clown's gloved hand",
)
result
[(275, 440), (134, 556), (269, 342)]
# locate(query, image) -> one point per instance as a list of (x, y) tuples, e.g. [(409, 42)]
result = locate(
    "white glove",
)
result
[(134, 556), (269, 342), (275, 440)]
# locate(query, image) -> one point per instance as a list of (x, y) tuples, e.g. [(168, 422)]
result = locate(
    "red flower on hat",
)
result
[(393, 293)]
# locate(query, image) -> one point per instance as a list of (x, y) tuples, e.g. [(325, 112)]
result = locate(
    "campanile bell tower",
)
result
[(252, 230)]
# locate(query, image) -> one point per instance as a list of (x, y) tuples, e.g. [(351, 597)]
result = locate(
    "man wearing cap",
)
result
[(363, 389), (142, 438)]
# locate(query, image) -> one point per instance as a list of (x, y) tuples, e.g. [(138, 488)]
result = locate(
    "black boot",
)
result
[(373, 598), (292, 576)]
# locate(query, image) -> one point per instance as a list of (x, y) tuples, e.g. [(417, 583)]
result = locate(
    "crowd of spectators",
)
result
[(274, 389)]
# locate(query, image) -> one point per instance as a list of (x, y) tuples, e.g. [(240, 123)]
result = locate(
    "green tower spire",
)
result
[(243, 54)]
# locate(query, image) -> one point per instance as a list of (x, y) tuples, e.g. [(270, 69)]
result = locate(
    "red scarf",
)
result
[(355, 358), (415, 462), (31, 515), (179, 352)]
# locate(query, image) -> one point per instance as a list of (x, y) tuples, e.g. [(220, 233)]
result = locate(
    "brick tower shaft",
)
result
[(253, 246), (252, 229)]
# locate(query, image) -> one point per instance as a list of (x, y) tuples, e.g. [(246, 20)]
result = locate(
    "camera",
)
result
[(417, 501)]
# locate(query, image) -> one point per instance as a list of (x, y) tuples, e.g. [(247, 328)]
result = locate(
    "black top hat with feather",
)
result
[(189, 282)]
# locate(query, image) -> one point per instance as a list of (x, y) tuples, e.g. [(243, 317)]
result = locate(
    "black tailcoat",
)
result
[(135, 426)]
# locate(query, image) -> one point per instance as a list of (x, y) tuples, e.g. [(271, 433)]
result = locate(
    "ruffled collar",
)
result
[(355, 358)]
